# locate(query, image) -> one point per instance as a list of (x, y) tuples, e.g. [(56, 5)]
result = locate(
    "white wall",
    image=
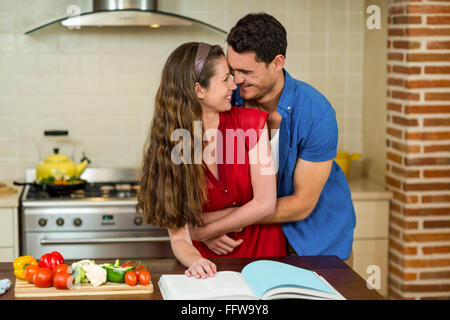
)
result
[(374, 98)]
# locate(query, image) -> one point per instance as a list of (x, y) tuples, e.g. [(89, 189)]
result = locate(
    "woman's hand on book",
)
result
[(201, 268), (223, 244)]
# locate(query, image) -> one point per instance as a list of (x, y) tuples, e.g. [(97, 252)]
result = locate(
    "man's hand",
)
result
[(223, 244), (220, 245), (197, 233)]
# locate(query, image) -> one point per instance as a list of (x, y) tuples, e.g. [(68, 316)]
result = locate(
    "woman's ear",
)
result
[(199, 91)]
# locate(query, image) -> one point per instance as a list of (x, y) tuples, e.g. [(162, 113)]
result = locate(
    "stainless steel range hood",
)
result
[(123, 13)]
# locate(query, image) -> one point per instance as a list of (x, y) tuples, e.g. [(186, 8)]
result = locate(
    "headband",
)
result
[(200, 58)]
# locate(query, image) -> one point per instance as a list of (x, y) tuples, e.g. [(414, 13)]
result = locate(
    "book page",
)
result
[(299, 292), (296, 292), (282, 295), (264, 275), (224, 285), (337, 293)]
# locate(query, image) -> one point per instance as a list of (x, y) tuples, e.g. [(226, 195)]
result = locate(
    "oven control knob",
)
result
[(42, 222), (77, 222), (138, 221), (60, 221)]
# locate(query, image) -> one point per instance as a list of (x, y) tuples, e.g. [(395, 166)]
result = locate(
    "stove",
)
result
[(105, 190), (98, 221)]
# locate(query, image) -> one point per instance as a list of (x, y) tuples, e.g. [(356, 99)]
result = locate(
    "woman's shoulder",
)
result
[(246, 111), (248, 117)]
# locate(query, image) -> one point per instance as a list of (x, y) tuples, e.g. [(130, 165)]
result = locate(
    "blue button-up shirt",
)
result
[(309, 131)]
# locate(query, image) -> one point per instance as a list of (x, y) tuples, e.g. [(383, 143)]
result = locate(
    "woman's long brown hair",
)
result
[(170, 194)]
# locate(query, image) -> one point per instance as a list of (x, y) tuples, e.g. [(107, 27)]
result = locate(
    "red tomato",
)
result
[(139, 268), (144, 277), (60, 268), (30, 271), (128, 264), (131, 278), (43, 278), (62, 280)]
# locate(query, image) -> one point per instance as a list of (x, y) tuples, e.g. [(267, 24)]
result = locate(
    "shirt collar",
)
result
[(287, 95), (236, 98)]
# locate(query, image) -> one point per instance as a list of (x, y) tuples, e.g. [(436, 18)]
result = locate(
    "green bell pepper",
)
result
[(116, 273)]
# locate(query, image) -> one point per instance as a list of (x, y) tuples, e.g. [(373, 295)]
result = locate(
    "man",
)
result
[(314, 202)]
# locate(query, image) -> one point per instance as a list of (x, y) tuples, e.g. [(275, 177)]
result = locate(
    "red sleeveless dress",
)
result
[(234, 187)]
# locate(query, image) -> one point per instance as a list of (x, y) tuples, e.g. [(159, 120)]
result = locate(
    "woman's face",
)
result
[(217, 97)]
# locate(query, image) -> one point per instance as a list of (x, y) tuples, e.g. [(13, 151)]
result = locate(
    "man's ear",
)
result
[(199, 91), (278, 62)]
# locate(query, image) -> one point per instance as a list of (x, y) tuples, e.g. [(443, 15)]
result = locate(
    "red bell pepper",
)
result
[(51, 260)]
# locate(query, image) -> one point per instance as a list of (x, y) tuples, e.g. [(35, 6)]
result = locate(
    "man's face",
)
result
[(255, 79)]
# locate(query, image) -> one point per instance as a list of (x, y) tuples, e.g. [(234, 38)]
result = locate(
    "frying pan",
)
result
[(55, 189)]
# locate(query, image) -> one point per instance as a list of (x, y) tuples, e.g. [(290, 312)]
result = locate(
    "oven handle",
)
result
[(104, 240)]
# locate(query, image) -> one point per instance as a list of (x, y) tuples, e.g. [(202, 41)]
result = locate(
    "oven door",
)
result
[(100, 244)]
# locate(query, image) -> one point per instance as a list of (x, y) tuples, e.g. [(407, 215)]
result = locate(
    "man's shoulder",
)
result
[(306, 95), (308, 103)]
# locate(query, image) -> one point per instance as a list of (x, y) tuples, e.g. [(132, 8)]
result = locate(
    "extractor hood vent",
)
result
[(123, 13)]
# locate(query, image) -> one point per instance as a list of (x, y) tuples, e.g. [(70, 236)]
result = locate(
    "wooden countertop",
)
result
[(365, 189), (360, 187), (9, 199), (334, 270)]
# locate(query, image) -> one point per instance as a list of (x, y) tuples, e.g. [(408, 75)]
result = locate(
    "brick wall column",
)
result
[(418, 148)]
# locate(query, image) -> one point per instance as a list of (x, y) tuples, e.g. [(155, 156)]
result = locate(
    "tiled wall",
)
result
[(100, 83)]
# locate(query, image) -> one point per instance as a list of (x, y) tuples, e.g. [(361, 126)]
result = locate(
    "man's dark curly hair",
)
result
[(260, 33)]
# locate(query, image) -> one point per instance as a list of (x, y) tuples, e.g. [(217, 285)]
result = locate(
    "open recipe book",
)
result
[(263, 279)]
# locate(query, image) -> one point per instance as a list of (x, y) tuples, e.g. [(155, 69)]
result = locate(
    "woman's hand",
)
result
[(200, 268), (223, 244)]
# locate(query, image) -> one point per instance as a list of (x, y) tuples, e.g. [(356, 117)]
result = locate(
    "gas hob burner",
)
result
[(123, 187), (108, 190)]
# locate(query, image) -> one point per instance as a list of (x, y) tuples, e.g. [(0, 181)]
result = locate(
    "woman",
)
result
[(196, 85)]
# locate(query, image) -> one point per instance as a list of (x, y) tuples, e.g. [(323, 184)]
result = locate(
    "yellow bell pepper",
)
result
[(20, 263)]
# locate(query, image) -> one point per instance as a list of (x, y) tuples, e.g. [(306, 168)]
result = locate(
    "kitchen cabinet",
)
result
[(8, 234), (9, 226), (371, 235)]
